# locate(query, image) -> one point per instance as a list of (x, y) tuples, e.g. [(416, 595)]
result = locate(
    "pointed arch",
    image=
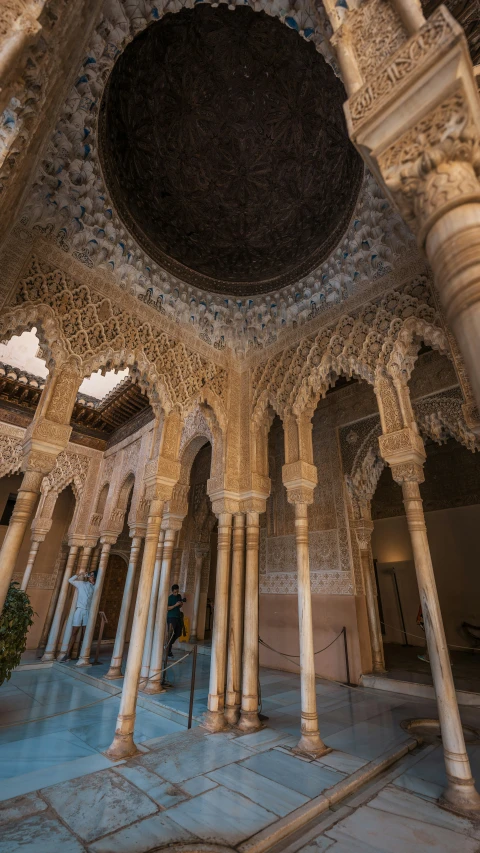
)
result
[(24, 318), (402, 353)]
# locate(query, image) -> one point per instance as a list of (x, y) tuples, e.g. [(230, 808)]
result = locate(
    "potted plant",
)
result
[(16, 618)]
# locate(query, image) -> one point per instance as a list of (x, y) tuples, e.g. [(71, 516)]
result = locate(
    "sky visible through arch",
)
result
[(21, 351)]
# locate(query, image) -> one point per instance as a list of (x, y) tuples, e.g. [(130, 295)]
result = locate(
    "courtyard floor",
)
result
[(374, 793)]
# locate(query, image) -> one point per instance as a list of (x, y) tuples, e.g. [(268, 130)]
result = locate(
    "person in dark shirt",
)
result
[(174, 617)]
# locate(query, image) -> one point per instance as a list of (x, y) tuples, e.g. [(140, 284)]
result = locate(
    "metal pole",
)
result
[(397, 592), (164, 681), (192, 686), (347, 662)]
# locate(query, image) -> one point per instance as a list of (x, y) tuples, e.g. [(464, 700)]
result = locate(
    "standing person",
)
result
[(85, 588), (174, 617)]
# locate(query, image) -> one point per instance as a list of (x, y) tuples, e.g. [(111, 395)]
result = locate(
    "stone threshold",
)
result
[(416, 688), (296, 820)]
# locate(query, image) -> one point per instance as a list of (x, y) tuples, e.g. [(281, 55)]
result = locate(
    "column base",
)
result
[(122, 746), (249, 721), (48, 656), (83, 662), (193, 639), (214, 721), (461, 797), (232, 714), (153, 687), (311, 743), (379, 670), (114, 672)]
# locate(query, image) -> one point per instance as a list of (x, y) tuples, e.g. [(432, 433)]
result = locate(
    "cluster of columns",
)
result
[(233, 688)]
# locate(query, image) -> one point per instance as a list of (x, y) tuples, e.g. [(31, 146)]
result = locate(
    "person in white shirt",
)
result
[(84, 585)]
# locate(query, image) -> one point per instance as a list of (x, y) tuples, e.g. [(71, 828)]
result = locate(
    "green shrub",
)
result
[(16, 618)]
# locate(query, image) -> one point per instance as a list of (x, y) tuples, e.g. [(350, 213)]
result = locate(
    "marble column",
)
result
[(53, 601), (154, 684), (363, 532), (123, 744), (233, 694), (147, 648), (460, 792), (83, 562), (84, 659), (310, 741), (214, 717), (52, 641), (21, 517), (115, 670), (176, 563), (32, 555), (200, 554), (249, 719)]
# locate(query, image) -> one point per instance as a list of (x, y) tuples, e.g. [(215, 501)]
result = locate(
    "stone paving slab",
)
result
[(243, 791)]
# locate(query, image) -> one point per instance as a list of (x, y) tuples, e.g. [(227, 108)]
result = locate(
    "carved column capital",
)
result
[(426, 155), (172, 521), (40, 528), (363, 531), (401, 446), (299, 479), (408, 472)]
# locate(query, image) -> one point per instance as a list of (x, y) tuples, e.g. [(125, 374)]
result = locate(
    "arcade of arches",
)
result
[(291, 281)]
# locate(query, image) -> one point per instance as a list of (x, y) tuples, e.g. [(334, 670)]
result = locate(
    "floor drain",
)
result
[(429, 730)]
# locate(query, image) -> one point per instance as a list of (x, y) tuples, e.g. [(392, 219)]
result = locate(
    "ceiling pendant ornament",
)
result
[(225, 151)]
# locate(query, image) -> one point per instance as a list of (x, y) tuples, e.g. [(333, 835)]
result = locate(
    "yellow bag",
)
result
[(185, 636)]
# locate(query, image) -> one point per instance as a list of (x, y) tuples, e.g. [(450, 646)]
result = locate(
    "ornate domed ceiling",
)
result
[(225, 150)]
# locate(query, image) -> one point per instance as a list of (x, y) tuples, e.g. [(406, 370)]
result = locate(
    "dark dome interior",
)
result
[(225, 149)]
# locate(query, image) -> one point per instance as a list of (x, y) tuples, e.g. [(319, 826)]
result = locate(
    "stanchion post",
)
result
[(165, 655), (347, 662), (192, 686)]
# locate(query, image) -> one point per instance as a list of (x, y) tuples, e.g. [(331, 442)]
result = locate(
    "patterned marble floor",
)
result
[(59, 793)]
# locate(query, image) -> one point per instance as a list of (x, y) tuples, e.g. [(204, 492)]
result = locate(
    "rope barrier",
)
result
[(422, 637), (291, 657), (175, 662), (288, 656)]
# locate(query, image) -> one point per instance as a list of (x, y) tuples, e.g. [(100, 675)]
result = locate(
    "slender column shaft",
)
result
[(21, 517), (53, 602), (35, 545), (310, 740), (363, 530), (115, 670), (84, 659), (249, 720), (57, 619), (199, 558), (67, 631), (376, 642), (156, 661), (123, 744), (214, 718), (233, 696), (176, 564), (460, 791), (147, 648)]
